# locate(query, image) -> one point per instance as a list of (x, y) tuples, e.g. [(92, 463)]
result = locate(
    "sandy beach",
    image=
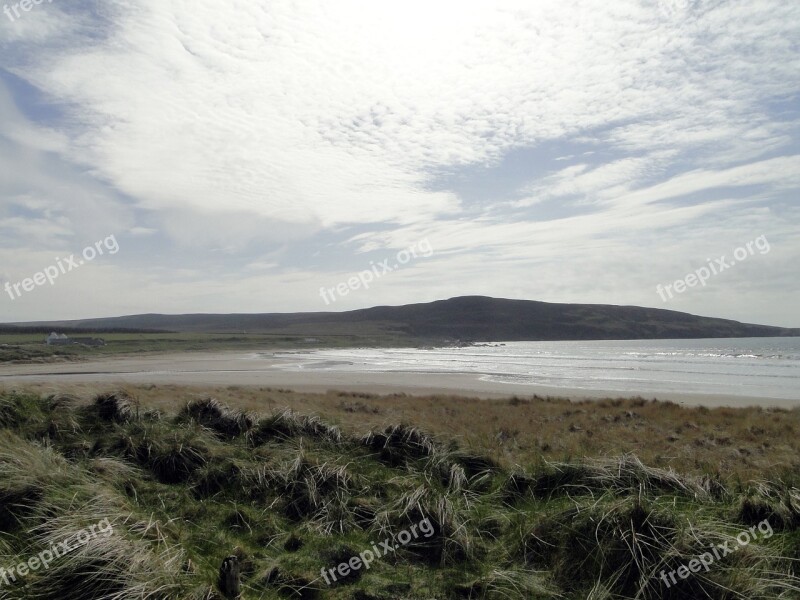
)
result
[(237, 368)]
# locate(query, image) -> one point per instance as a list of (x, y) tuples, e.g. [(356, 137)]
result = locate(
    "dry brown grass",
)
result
[(745, 443)]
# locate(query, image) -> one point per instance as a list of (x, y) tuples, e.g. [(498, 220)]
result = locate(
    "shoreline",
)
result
[(231, 368)]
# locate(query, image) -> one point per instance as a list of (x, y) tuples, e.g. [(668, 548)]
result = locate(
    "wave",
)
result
[(772, 366)]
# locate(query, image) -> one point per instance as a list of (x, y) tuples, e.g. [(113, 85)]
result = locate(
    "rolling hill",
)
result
[(467, 318)]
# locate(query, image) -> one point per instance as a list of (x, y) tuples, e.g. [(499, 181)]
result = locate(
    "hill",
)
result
[(468, 318)]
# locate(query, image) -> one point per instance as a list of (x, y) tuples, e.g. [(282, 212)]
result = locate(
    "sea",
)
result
[(749, 367)]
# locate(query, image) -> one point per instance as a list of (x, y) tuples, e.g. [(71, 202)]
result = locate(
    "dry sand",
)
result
[(239, 368)]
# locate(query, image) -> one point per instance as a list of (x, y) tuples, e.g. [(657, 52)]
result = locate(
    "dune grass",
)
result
[(204, 491), (730, 443)]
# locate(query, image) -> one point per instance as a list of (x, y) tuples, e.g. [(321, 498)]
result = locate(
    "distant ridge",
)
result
[(466, 318)]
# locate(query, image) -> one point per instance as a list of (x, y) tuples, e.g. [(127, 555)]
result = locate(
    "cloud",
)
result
[(780, 174), (296, 138)]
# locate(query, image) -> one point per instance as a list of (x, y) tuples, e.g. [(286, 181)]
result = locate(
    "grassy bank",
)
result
[(737, 444), (30, 347), (281, 496)]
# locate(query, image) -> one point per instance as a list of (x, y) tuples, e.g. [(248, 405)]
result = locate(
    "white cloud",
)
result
[(242, 129), (316, 113), (781, 174)]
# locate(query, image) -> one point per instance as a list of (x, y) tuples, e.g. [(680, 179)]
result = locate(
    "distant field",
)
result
[(31, 347)]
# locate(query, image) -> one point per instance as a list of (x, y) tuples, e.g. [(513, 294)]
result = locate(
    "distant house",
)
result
[(55, 339)]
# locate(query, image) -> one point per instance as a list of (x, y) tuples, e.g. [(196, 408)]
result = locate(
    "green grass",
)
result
[(288, 494), (31, 347)]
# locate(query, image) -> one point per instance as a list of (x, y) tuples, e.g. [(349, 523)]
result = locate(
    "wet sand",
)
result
[(239, 368)]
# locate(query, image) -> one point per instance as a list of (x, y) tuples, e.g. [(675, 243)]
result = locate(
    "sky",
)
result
[(254, 156)]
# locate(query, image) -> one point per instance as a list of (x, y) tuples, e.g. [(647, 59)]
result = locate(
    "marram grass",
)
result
[(285, 495)]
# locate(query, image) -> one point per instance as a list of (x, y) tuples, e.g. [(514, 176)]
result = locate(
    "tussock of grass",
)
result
[(135, 561), (398, 444), (447, 510), (18, 410), (172, 455), (287, 424), (210, 413), (51, 500), (216, 477), (499, 584), (627, 542), (321, 493), (26, 472), (626, 474), (774, 502), (117, 407)]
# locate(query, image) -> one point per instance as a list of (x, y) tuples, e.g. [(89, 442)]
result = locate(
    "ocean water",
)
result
[(758, 367)]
